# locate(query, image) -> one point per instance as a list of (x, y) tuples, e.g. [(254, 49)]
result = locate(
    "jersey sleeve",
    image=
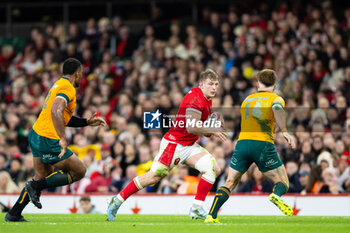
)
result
[(67, 92), (278, 100), (194, 104)]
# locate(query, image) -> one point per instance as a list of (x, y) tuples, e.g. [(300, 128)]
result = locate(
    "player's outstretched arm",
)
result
[(57, 113), (82, 122), (76, 122), (281, 117), (193, 117)]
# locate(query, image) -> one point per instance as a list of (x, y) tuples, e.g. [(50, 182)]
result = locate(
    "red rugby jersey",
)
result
[(196, 101)]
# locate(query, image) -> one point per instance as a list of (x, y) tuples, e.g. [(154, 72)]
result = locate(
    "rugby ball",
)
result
[(214, 118)]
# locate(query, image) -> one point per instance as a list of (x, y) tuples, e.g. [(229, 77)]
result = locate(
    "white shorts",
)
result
[(171, 154)]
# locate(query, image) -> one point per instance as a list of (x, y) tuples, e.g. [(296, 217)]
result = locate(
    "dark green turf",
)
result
[(70, 223)]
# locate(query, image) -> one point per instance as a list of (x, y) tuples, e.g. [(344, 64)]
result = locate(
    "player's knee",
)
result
[(160, 171), (39, 175), (42, 173), (78, 174), (217, 170), (205, 165)]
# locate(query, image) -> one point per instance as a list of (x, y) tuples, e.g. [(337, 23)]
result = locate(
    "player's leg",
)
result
[(280, 179), (223, 194), (48, 150), (240, 163), (157, 172), (205, 163), (71, 169), (41, 170), (138, 183), (272, 167), (281, 185)]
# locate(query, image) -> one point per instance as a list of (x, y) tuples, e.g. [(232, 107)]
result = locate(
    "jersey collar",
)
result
[(65, 78)]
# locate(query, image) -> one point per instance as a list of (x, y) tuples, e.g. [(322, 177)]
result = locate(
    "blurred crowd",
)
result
[(126, 71)]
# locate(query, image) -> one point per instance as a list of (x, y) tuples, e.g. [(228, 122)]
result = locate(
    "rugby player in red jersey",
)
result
[(179, 146)]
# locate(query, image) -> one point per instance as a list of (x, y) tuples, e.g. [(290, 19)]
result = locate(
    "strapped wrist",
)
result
[(77, 122)]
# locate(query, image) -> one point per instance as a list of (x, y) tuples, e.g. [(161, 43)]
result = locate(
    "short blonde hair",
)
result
[(209, 73)]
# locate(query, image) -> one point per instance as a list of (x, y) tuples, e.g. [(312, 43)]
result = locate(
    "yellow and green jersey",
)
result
[(257, 119), (61, 89)]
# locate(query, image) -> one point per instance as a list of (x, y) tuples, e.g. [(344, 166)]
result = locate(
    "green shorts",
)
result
[(262, 153), (46, 148)]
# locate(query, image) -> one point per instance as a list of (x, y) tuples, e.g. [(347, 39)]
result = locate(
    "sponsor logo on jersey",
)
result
[(271, 162)]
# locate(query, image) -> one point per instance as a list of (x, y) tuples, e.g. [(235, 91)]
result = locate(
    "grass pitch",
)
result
[(80, 223)]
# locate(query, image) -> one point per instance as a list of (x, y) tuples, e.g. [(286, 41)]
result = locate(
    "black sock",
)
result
[(39, 184), (20, 204)]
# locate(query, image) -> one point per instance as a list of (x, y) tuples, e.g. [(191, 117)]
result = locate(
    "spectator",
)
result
[(120, 184), (74, 35), (126, 44), (2, 162), (317, 145), (86, 207), (303, 179), (118, 151), (6, 184), (106, 157), (344, 170), (307, 155), (15, 170), (330, 178), (293, 176), (185, 183), (315, 182), (100, 181), (130, 158)]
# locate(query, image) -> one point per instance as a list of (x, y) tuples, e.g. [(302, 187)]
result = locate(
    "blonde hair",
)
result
[(209, 73)]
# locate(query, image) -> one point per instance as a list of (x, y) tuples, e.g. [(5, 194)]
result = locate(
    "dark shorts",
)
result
[(46, 148), (262, 153)]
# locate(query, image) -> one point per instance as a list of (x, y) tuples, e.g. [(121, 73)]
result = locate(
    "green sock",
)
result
[(220, 198), (279, 189), (21, 202), (58, 178)]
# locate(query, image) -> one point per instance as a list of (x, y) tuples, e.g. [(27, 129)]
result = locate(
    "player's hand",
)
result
[(289, 139), (221, 135), (63, 144), (222, 123), (96, 120)]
